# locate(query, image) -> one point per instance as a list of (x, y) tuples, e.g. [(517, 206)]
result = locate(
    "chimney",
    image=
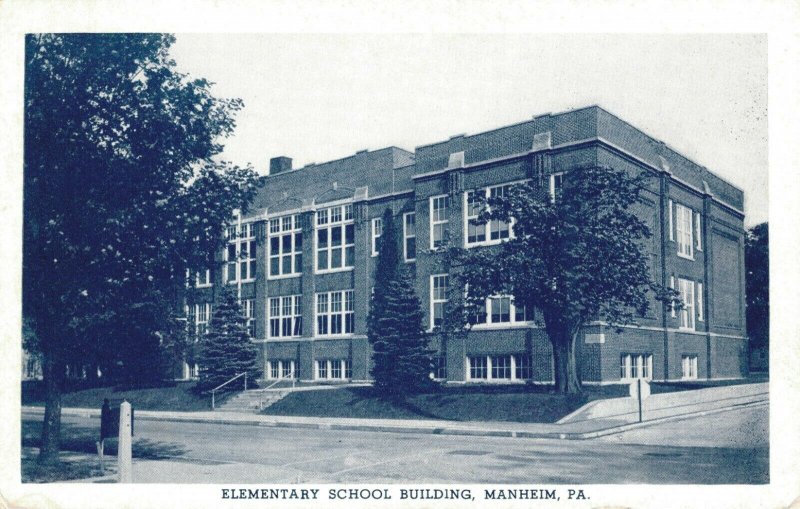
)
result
[(280, 165)]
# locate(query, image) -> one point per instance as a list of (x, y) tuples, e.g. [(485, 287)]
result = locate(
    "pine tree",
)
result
[(401, 360), (226, 350), (401, 326)]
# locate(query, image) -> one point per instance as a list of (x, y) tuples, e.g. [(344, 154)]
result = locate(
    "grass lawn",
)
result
[(67, 468), (514, 403), (472, 403), (179, 397)]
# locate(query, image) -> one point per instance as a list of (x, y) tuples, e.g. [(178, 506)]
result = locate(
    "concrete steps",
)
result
[(253, 401)]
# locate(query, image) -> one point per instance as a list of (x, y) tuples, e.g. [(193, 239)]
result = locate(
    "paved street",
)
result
[(252, 454)]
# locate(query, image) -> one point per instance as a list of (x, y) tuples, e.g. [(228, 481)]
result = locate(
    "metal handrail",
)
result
[(270, 386), (215, 389)]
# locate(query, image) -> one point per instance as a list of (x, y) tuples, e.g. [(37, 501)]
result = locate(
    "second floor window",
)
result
[(440, 220), (439, 285), (335, 313), (686, 289), (285, 246), (335, 238), (240, 253), (499, 310), (285, 316)]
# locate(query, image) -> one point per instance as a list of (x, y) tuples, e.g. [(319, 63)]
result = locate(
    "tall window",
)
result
[(698, 231), (671, 213), (476, 233), (285, 316), (689, 367), (409, 236), (240, 254), (438, 299), (248, 310), (285, 246), (556, 186), (493, 230), (335, 313), (684, 229), (700, 311), (499, 310), (440, 220), (335, 238), (197, 317), (633, 366), (377, 231), (191, 319), (686, 289)]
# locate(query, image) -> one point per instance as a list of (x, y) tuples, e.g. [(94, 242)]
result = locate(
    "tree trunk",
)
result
[(565, 361), (51, 427)]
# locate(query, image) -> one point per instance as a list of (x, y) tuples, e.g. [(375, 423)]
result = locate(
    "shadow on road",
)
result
[(83, 439)]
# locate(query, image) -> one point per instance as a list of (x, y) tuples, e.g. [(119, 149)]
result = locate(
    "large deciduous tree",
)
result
[(756, 261), (121, 196), (575, 257)]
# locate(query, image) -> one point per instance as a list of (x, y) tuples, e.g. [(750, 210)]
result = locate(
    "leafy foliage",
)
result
[(394, 327), (226, 349), (121, 195), (576, 258), (756, 261)]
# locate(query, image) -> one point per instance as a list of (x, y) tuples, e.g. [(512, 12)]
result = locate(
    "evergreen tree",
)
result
[(387, 265), (401, 326), (226, 350), (401, 359)]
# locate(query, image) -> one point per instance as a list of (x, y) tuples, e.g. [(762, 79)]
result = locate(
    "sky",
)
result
[(316, 98)]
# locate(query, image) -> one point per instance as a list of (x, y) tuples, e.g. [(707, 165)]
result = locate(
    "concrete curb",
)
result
[(411, 428)]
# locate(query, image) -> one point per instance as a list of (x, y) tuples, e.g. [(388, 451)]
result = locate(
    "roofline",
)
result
[(588, 141), (667, 145), (510, 125), (317, 165)]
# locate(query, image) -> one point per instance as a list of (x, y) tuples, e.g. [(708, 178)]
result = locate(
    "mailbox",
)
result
[(109, 420)]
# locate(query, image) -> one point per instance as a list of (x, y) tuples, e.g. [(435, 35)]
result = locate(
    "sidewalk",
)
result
[(595, 419)]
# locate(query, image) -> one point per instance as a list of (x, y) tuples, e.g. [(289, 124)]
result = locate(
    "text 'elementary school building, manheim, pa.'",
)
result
[(302, 259)]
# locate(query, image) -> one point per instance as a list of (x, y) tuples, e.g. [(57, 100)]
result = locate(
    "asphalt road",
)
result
[(249, 454)]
